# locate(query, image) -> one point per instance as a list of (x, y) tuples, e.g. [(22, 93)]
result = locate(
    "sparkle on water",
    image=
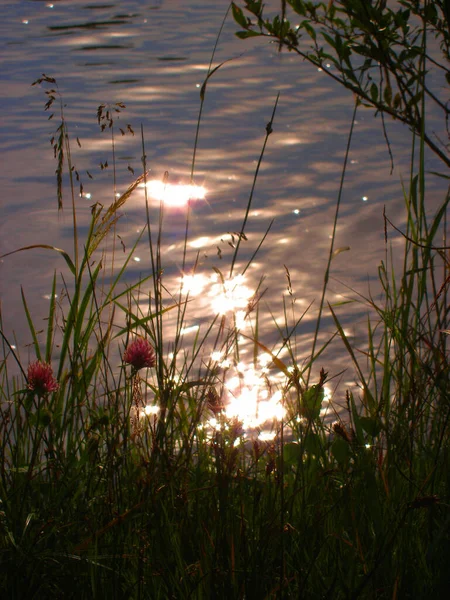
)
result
[(252, 392), (150, 409), (175, 195), (225, 297), (253, 396)]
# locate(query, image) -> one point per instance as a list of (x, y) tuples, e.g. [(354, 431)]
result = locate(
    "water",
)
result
[(154, 56)]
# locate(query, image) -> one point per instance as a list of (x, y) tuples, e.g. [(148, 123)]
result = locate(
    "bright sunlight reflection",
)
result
[(176, 195), (248, 398), (230, 295), (224, 297)]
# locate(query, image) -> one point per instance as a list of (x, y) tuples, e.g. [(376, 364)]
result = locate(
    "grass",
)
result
[(100, 499)]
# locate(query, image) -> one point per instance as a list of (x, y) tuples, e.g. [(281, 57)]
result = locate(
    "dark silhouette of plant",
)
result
[(395, 59)]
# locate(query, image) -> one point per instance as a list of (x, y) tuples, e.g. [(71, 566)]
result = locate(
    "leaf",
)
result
[(46, 247), (374, 92), (430, 12), (371, 425), (388, 95), (397, 100), (255, 7), (247, 34), (347, 344), (311, 31), (51, 322), (439, 174), (31, 326), (339, 250), (356, 421), (139, 322), (210, 74), (329, 40), (238, 16), (292, 453), (340, 450), (312, 401), (299, 7), (313, 444)]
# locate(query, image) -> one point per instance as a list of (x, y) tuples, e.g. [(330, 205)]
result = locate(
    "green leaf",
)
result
[(88, 297), (374, 92), (341, 451), (367, 393), (313, 444), (430, 12), (238, 16), (51, 322), (397, 100), (44, 418), (46, 247), (388, 95), (210, 74), (356, 420), (31, 326), (312, 401), (292, 453), (311, 31), (371, 425), (329, 40), (299, 7), (247, 34), (255, 7)]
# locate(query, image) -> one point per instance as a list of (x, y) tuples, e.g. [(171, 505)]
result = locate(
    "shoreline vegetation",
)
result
[(122, 475)]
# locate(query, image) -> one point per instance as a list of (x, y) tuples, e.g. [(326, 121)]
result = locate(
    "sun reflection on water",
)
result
[(251, 397), (175, 195), (225, 297), (251, 393)]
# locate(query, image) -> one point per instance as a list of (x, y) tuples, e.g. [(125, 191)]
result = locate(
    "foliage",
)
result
[(393, 58)]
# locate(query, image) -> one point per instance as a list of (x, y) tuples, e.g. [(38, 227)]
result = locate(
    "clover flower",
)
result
[(40, 378), (139, 354)]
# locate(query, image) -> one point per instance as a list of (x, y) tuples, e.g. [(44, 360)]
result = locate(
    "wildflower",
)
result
[(40, 378), (140, 354)]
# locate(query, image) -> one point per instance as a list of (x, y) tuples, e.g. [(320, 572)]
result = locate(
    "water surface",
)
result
[(154, 56)]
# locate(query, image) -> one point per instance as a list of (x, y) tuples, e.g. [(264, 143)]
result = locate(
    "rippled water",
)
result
[(154, 56)]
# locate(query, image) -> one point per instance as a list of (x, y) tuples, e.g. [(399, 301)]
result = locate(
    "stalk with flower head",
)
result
[(140, 354), (40, 378)]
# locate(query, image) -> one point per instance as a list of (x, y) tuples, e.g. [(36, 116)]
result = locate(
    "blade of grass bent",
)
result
[(46, 247), (31, 326), (51, 319), (333, 236), (349, 348)]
